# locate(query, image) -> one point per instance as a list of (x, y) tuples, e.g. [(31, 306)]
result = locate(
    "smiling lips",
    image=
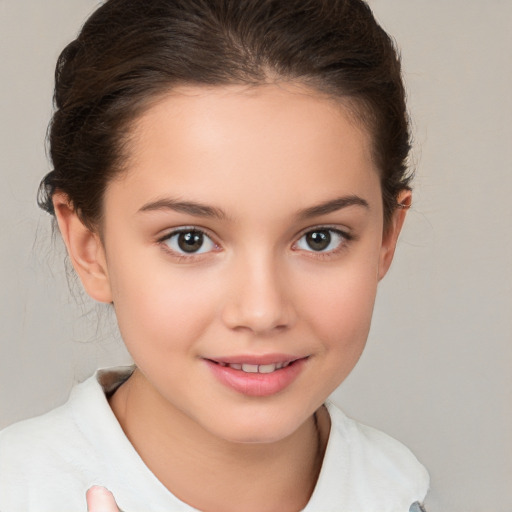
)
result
[(253, 379), (256, 368)]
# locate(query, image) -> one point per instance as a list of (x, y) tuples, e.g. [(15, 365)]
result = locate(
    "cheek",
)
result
[(158, 310), (339, 309), (344, 313)]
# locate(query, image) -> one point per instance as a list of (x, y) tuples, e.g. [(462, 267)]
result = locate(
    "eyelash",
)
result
[(345, 239), (183, 256)]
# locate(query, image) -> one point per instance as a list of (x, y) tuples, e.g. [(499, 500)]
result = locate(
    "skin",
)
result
[(100, 499), (262, 160)]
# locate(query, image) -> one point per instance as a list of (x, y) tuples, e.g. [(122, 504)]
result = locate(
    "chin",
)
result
[(256, 436), (250, 428)]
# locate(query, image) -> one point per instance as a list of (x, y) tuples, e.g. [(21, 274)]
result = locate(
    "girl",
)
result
[(230, 176)]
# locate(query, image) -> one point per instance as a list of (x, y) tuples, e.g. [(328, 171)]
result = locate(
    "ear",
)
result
[(85, 249), (390, 236)]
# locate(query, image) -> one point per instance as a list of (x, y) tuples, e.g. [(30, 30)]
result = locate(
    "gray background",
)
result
[(437, 370)]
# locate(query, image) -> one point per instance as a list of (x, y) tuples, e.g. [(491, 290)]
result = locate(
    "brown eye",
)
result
[(318, 240), (322, 240), (190, 241)]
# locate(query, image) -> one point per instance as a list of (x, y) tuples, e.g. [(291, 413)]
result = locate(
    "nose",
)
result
[(259, 298)]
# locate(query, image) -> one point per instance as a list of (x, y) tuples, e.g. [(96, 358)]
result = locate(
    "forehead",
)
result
[(280, 142)]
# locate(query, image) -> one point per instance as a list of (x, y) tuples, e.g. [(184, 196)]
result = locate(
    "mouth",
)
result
[(256, 368), (257, 376)]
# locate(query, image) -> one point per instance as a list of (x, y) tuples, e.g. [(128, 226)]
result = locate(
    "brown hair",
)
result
[(130, 51)]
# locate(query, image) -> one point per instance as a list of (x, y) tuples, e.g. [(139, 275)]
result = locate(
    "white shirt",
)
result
[(47, 463)]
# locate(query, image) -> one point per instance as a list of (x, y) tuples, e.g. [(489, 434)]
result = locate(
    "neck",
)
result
[(211, 474)]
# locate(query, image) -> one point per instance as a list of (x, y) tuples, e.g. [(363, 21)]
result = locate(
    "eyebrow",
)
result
[(202, 210), (333, 205), (188, 207)]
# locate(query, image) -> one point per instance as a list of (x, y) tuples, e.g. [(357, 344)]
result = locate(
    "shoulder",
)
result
[(32, 439), (58, 433), (366, 469), (36, 457), (367, 444), (43, 456), (39, 452)]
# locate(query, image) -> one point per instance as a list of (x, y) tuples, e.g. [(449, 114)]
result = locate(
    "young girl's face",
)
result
[(245, 235)]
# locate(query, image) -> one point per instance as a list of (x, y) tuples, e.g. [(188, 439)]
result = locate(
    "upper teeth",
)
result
[(257, 368)]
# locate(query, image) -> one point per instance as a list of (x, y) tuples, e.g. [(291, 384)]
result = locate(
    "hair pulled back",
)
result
[(131, 51)]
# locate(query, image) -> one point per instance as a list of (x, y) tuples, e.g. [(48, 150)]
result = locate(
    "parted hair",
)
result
[(130, 52)]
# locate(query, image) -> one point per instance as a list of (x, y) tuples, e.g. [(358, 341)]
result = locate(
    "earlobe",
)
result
[(85, 249), (390, 236)]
